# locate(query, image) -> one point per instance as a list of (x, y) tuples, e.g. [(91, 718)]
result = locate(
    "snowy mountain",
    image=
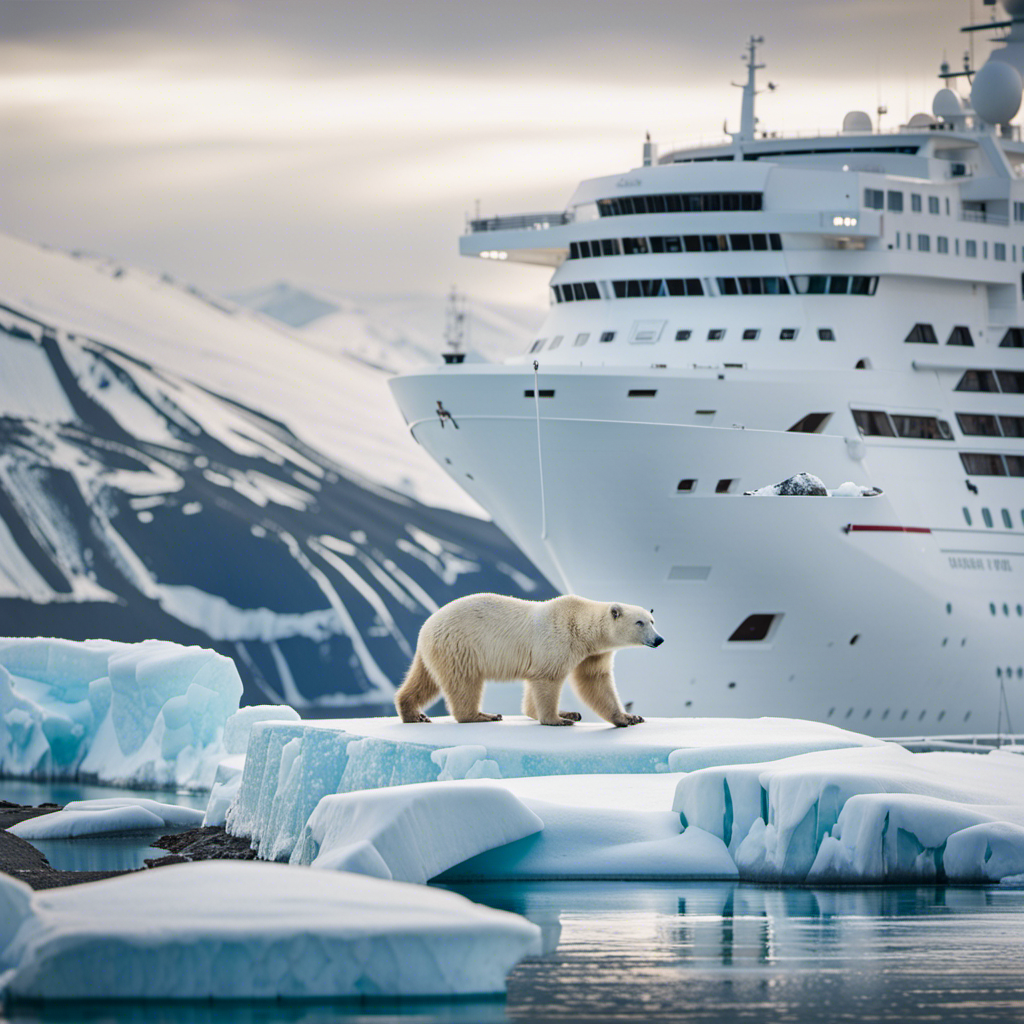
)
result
[(172, 466), (394, 333)]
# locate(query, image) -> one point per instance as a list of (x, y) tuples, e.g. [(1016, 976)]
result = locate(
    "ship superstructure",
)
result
[(722, 317)]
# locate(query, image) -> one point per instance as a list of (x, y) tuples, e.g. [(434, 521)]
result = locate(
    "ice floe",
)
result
[(290, 766), (148, 714), (107, 816), (236, 930)]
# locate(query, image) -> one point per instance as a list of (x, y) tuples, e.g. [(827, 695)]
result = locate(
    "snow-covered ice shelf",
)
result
[(237, 930), (111, 815), (291, 766)]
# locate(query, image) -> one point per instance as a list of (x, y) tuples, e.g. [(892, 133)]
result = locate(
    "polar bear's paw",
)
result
[(571, 716), (622, 720)]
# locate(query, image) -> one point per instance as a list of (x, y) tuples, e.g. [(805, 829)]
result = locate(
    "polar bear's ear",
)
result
[(616, 611)]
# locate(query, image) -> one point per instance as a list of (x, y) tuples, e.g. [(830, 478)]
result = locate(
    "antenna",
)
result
[(748, 122), (455, 327)]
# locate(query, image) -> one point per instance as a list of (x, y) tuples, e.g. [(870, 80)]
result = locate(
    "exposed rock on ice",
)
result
[(111, 815), (290, 766), (152, 713), (412, 833), (244, 930), (808, 484)]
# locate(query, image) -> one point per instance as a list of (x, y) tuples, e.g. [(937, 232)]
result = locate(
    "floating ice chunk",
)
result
[(852, 490), (991, 852), (418, 831), (244, 930), (151, 713), (110, 815)]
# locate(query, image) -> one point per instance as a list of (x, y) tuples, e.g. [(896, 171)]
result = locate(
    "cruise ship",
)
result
[(848, 305)]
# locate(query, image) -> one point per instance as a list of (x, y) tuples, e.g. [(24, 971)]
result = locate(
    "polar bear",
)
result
[(488, 636)]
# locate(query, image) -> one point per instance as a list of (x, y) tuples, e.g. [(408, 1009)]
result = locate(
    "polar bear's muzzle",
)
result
[(657, 641)]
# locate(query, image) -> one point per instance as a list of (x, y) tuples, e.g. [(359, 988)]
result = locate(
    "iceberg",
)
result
[(152, 714), (107, 816), (291, 766), (245, 930)]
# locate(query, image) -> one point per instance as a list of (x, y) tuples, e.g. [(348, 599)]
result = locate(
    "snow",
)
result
[(106, 816), (28, 386), (236, 930), (804, 484), (412, 833), (336, 402), (146, 714), (867, 815), (291, 766)]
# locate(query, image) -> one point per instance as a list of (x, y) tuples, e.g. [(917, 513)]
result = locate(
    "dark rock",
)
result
[(208, 843)]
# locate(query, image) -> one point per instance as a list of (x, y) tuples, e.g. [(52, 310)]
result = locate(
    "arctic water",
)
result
[(679, 951)]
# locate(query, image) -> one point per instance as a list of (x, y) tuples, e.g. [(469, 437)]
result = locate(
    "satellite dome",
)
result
[(997, 91), (947, 104), (857, 121), (922, 120), (1014, 6)]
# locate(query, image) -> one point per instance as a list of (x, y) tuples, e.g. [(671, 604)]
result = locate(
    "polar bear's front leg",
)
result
[(592, 679), (542, 696), (530, 707)]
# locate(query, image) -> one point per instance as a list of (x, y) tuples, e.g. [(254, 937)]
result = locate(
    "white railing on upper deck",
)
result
[(520, 222), (984, 217)]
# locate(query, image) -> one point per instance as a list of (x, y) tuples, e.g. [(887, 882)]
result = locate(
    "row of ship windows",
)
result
[(877, 199), (680, 202), (992, 464), (986, 516), (684, 334), (1010, 382), (674, 287), (674, 243), (924, 244)]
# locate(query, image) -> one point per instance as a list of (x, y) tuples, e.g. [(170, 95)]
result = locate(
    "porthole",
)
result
[(904, 715), (831, 712), (1020, 611), (724, 486), (967, 716), (987, 516), (942, 715), (751, 334), (683, 335), (949, 608), (885, 714), (1006, 609), (945, 640), (732, 686), (689, 703), (991, 607), (1007, 521), (920, 717), (867, 714), (999, 673), (854, 638), (826, 334), (685, 486), (788, 333), (848, 713), (967, 515)]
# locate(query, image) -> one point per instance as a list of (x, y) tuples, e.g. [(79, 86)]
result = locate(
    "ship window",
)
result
[(538, 345), (692, 243), (826, 334), (978, 425), (922, 428), (555, 342), (1011, 381), (896, 202), (679, 202), (861, 285), (915, 202), (967, 517), (971, 248), (812, 423), (543, 393), (775, 241), (581, 339), (921, 334), (1015, 465), (713, 243), (686, 486), (751, 334), (983, 464), (984, 249), (591, 289), (874, 198), (610, 247), (634, 246), (960, 336), (838, 285), (724, 486), (1007, 521), (759, 242), (716, 334), (942, 244), (740, 243), (683, 335), (1013, 426), (579, 291), (810, 284), (574, 250), (933, 204), (789, 333), (999, 251), (754, 628), (862, 364), (924, 243), (1013, 338), (873, 423), (642, 393), (987, 516), (978, 380), (607, 336), (728, 286)]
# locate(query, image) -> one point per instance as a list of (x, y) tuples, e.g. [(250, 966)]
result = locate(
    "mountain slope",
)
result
[(135, 502)]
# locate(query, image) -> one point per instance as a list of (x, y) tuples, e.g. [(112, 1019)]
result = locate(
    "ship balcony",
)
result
[(520, 222)]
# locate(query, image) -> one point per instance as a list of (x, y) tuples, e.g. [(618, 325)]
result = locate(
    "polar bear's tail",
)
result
[(418, 690)]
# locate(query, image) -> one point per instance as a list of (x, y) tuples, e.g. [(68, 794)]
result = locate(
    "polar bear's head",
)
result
[(632, 626)]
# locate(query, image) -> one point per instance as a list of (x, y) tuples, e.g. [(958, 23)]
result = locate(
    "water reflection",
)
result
[(703, 952), (103, 853)]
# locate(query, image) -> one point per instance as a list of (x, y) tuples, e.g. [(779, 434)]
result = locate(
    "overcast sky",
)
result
[(340, 144)]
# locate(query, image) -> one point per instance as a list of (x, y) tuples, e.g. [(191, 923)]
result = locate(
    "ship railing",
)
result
[(984, 217), (520, 222), (976, 744)]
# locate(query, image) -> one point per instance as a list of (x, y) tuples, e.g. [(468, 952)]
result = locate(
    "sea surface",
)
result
[(664, 951)]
